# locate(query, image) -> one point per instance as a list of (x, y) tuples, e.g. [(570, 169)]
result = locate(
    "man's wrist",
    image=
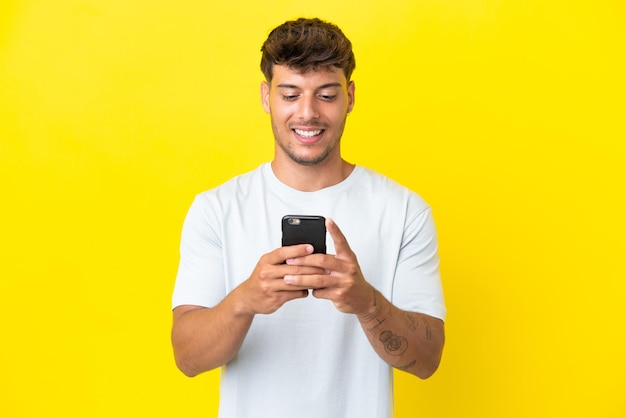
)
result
[(238, 305), (373, 308)]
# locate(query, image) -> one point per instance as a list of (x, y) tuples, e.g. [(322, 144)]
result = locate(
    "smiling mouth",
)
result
[(308, 134)]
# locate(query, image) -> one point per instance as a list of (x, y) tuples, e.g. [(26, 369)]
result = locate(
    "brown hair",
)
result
[(307, 44)]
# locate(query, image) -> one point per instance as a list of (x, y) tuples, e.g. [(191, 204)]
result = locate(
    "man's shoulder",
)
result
[(239, 181), (381, 182)]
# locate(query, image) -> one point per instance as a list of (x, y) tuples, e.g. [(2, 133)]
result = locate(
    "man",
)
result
[(300, 334)]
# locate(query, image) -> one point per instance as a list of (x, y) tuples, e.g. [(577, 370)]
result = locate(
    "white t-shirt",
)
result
[(308, 359)]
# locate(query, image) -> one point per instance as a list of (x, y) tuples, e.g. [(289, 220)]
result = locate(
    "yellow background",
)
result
[(506, 116)]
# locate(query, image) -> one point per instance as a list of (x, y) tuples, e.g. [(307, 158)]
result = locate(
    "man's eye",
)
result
[(289, 97), (328, 97)]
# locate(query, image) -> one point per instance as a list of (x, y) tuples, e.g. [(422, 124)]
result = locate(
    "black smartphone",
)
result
[(305, 229)]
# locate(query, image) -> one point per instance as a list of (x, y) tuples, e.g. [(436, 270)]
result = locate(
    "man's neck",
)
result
[(311, 178)]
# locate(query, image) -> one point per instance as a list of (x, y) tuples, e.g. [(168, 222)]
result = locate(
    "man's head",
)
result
[(307, 45)]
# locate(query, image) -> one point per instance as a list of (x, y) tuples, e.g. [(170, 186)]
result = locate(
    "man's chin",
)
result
[(307, 160)]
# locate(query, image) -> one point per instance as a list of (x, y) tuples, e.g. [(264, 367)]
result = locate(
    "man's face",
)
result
[(308, 112)]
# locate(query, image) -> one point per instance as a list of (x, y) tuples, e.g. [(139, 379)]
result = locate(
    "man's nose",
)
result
[(308, 108)]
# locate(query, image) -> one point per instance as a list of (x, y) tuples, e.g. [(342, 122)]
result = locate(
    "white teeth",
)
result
[(308, 134)]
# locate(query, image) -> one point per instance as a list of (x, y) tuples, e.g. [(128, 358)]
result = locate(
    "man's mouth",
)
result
[(308, 134)]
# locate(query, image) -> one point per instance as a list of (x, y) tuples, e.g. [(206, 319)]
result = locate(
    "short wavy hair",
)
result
[(305, 45)]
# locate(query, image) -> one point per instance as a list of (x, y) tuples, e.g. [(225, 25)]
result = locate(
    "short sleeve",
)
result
[(417, 283), (200, 277)]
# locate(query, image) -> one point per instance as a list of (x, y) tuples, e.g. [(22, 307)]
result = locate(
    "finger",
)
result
[(296, 267), (323, 263), (310, 281), (279, 255), (341, 244), (296, 277), (296, 294), (324, 293)]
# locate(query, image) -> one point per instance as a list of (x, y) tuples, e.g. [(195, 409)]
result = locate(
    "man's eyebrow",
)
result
[(329, 85), (287, 86), (293, 86)]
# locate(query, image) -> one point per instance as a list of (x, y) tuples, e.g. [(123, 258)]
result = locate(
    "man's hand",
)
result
[(265, 291), (339, 278)]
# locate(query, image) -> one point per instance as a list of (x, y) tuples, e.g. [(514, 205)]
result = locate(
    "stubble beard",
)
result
[(307, 161)]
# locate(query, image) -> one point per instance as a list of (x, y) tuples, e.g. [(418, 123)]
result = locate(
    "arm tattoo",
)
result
[(378, 323), (407, 366), (395, 345), (429, 334), (411, 321)]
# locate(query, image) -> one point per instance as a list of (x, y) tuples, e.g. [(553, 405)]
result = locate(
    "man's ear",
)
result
[(350, 96), (265, 96)]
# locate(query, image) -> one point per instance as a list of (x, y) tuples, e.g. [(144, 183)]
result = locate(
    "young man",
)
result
[(300, 334)]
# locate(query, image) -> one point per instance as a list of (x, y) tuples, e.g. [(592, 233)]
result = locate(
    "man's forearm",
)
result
[(204, 338), (408, 341)]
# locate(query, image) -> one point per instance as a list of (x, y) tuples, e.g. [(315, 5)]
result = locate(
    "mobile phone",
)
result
[(305, 229)]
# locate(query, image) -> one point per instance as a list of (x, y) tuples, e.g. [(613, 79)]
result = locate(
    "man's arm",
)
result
[(406, 340), (206, 338)]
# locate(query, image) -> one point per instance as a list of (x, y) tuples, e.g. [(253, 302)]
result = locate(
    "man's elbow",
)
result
[(185, 360), (427, 370), (186, 366), (432, 357)]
